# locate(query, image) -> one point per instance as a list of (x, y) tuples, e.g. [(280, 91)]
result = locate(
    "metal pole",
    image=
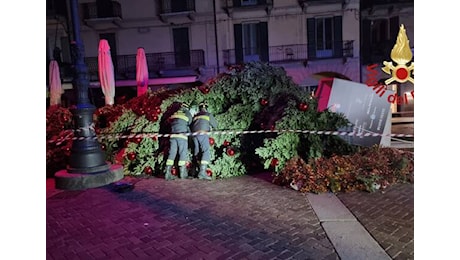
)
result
[(215, 35), (86, 154)]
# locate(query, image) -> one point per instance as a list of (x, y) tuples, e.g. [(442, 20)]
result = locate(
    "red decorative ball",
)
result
[(155, 138), (204, 89), (226, 143), (174, 171), (211, 141), (157, 110), (230, 152), (263, 102), (155, 118), (138, 140), (209, 172), (126, 142), (274, 162), (148, 170), (131, 156), (303, 107)]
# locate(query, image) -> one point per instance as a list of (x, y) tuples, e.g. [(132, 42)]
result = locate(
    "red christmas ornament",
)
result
[(263, 102), (274, 162), (204, 89), (138, 140), (155, 138), (272, 127), (174, 171), (211, 141), (226, 143), (148, 170), (303, 107), (157, 110), (209, 172), (126, 142), (155, 118), (230, 152), (131, 156)]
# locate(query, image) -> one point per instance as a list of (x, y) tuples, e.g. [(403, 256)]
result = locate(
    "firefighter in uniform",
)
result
[(178, 141), (203, 122)]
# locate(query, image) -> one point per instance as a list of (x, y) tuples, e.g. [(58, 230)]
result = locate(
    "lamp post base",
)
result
[(65, 180)]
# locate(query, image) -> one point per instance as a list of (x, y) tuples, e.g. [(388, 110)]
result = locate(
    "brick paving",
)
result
[(244, 217), (388, 216)]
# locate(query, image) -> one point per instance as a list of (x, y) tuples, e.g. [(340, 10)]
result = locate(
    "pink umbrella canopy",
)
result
[(142, 72), (106, 73), (55, 84)]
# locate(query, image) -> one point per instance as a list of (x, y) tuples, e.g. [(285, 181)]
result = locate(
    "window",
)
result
[(324, 36), (177, 6), (248, 2), (380, 31), (251, 42), (238, 3)]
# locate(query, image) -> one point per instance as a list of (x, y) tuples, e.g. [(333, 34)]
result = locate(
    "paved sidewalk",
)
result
[(244, 217), (388, 216)]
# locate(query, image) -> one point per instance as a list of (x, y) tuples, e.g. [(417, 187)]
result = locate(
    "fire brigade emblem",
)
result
[(401, 55)]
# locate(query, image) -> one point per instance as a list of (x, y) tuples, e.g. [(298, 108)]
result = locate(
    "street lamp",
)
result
[(87, 166)]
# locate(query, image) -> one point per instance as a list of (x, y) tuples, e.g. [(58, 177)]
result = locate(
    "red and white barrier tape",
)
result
[(236, 132)]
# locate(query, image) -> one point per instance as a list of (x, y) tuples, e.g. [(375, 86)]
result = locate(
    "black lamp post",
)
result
[(86, 154), (87, 167)]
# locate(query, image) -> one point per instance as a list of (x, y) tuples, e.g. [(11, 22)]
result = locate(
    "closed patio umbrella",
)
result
[(142, 72), (55, 84), (106, 73)]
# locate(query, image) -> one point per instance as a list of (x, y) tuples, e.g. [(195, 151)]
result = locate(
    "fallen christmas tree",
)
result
[(256, 99)]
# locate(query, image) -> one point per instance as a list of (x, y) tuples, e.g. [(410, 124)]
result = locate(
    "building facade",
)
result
[(193, 40)]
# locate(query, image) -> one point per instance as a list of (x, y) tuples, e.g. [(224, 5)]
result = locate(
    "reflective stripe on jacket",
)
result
[(203, 121), (180, 121)]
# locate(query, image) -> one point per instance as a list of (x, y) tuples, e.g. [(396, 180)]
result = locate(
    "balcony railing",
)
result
[(125, 65), (177, 6), (296, 52), (95, 11)]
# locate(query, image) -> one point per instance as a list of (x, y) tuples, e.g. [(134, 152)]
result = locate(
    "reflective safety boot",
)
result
[(202, 175), (183, 172), (168, 174)]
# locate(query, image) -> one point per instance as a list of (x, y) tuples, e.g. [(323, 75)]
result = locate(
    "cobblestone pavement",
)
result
[(244, 217), (388, 216)]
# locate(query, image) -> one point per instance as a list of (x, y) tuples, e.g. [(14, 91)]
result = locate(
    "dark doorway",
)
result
[(181, 47)]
